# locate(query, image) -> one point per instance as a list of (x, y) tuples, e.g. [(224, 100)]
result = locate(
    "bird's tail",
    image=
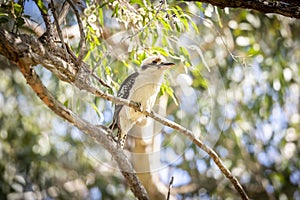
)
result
[(121, 138)]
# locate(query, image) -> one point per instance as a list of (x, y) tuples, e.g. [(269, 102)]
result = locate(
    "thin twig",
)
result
[(57, 24), (84, 67), (81, 44), (63, 12), (47, 36), (170, 187), (66, 48), (202, 146)]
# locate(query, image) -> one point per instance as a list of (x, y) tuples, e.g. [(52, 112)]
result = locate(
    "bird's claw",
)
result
[(137, 106)]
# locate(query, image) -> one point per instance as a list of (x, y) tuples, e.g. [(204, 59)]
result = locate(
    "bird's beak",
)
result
[(167, 65)]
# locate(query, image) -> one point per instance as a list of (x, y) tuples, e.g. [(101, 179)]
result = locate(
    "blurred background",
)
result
[(236, 85)]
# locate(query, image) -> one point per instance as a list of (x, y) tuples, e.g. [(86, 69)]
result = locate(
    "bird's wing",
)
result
[(115, 123), (127, 85), (123, 93)]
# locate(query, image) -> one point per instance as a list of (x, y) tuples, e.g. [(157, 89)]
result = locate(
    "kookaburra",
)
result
[(141, 87)]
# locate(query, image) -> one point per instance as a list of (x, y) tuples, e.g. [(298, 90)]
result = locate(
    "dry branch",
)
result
[(57, 25), (81, 44), (288, 8)]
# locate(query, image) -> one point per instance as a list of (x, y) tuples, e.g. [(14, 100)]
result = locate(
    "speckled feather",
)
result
[(123, 93)]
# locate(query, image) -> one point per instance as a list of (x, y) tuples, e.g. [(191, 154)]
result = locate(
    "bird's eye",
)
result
[(154, 62)]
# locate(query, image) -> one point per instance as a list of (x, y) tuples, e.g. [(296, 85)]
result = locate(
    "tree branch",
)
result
[(81, 44), (27, 51), (12, 47), (57, 25), (288, 8)]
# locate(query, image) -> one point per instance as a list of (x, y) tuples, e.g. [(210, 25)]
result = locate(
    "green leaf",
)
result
[(101, 18), (3, 20), (115, 12), (20, 22), (185, 53), (164, 40), (97, 110), (41, 5), (3, 14), (155, 36), (198, 80), (139, 2), (177, 26), (140, 58), (165, 88), (66, 103), (185, 23), (165, 24), (18, 9), (194, 26), (161, 51)]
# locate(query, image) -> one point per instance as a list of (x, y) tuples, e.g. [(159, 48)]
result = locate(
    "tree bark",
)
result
[(288, 8)]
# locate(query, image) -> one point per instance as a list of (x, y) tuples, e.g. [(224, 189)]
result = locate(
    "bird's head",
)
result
[(155, 64)]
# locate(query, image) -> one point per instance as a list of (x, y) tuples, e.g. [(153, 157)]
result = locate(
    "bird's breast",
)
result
[(146, 96)]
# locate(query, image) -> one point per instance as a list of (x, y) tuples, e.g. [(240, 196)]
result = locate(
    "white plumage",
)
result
[(141, 87)]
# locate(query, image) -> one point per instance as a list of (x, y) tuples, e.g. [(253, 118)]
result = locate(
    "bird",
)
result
[(141, 87)]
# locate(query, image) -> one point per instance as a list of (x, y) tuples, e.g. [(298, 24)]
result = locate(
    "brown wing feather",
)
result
[(123, 93)]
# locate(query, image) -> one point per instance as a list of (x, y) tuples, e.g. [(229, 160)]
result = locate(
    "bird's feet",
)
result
[(137, 106)]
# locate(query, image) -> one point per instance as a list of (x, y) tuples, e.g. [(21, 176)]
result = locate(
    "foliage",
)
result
[(236, 83)]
